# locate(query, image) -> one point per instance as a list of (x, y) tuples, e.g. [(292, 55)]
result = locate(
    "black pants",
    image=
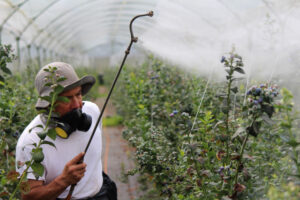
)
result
[(108, 190)]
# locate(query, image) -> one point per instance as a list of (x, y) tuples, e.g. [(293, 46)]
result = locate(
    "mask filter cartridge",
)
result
[(72, 121)]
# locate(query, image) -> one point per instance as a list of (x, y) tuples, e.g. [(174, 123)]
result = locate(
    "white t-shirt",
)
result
[(66, 149)]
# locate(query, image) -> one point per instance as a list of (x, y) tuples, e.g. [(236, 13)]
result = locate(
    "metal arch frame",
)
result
[(65, 31), (37, 16), (107, 29), (55, 20), (58, 17), (21, 12), (69, 34), (108, 25), (17, 7), (66, 45), (76, 19), (102, 41), (49, 35), (68, 31), (18, 37), (30, 23), (31, 20), (56, 30)]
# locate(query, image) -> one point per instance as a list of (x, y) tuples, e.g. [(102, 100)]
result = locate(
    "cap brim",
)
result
[(85, 82)]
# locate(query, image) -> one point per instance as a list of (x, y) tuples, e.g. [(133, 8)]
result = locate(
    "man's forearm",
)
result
[(47, 192)]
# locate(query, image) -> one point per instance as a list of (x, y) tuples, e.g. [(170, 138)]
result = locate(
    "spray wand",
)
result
[(133, 39)]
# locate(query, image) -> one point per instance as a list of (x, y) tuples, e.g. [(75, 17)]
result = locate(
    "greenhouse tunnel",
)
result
[(191, 35)]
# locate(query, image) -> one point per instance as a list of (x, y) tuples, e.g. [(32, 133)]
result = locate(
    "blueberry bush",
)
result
[(17, 100), (194, 138), (197, 139)]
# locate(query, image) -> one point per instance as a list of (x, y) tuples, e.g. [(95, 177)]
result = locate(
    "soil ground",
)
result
[(116, 155)]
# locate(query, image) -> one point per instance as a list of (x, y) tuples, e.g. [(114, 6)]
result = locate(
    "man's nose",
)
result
[(75, 103)]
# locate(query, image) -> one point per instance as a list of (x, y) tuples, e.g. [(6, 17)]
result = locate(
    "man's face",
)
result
[(75, 101)]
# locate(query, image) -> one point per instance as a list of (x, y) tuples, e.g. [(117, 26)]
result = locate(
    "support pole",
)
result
[(18, 51)]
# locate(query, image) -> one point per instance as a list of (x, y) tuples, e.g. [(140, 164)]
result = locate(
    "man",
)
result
[(61, 163)]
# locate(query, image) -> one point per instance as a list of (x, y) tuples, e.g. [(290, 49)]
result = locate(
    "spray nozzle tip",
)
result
[(150, 13)]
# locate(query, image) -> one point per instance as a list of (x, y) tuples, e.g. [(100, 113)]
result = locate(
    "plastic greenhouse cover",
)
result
[(186, 32), (38, 22)]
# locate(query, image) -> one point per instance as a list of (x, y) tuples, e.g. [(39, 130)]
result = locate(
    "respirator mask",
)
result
[(72, 121)]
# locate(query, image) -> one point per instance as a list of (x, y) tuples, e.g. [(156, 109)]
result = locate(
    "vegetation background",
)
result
[(194, 138)]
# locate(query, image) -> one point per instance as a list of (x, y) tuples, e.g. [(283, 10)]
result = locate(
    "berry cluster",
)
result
[(257, 96)]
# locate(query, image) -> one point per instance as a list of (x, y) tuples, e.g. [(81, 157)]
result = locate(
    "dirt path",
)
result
[(116, 155)]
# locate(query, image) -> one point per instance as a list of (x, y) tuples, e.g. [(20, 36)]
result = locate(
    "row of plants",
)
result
[(17, 100), (198, 139), (195, 139)]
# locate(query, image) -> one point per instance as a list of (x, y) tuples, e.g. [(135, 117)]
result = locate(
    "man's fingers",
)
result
[(79, 167), (77, 158)]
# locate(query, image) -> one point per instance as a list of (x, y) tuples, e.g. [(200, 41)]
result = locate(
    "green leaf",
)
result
[(141, 106), (42, 111), (181, 152), (293, 143), (2, 79), (49, 143), (269, 109), (52, 134), (238, 79), (60, 79), (37, 155), (238, 133), (46, 98), (5, 69), (254, 128), (234, 90), (33, 144), (38, 169), (267, 119), (48, 84), (63, 99), (58, 89), (37, 126), (239, 70), (42, 135)]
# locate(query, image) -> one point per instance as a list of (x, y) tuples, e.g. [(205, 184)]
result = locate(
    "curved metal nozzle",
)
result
[(135, 39)]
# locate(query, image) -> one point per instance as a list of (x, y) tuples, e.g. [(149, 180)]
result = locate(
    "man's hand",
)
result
[(72, 173), (74, 170)]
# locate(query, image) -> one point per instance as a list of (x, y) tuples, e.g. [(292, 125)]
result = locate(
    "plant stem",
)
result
[(39, 144), (227, 112), (240, 159), (291, 136), (20, 181), (23, 174)]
